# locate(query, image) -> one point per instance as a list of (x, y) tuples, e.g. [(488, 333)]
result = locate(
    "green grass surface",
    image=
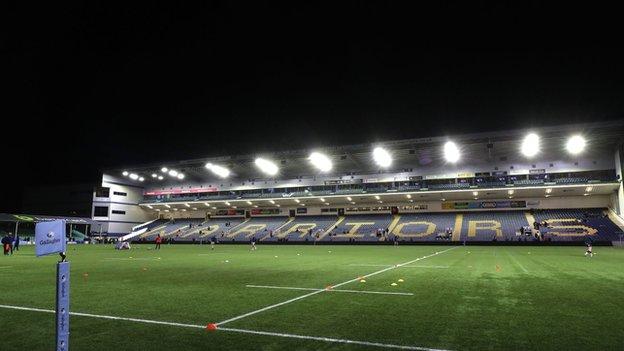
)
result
[(468, 298)]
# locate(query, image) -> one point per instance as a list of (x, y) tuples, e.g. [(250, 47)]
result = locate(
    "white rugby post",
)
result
[(50, 239)]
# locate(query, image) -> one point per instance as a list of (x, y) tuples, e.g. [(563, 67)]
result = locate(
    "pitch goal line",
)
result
[(235, 330), (330, 289)]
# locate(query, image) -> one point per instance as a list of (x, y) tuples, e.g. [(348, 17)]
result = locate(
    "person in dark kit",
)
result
[(213, 240), (5, 244), (589, 250), (253, 243), (158, 242), (11, 237), (17, 241)]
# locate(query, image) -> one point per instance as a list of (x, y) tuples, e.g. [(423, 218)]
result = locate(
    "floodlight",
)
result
[(154, 175), (349, 198), (160, 178), (220, 171), (530, 145), (475, 193), (576, 144), (125, 173), (266, 166), (320, 161), (408, 196), (451, 152), (173, 173), (376, 197), (141, 179), (382, 157), (249, 203), (510, 192), (134, 176), (180, 176), (164, 169)]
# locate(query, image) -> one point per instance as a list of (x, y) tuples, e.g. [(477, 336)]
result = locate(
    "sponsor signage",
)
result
[(265, 211), (302, 210), (50, 237), (181, 191), (343, 181), (62, 306), (470, 205), (230, 212)]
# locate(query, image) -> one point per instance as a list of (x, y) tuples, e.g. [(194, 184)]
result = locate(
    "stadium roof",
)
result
[(406, 154)]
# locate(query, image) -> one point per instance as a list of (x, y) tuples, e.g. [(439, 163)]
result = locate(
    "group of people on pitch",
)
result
[(10, 243)]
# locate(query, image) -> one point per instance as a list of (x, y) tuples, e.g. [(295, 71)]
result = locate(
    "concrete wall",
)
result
[(134, 214)]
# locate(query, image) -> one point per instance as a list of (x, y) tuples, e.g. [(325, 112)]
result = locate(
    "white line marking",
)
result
[(106, 317), (517, 262), (132, 259), (333, 286), (5, 267), (369, 265), (414, 266), (246, 331), (319, 338), (336, 290)]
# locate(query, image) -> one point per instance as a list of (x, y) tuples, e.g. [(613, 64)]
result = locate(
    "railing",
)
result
[(381, 190)]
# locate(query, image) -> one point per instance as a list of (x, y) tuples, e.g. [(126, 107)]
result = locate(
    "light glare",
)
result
[(530, 145), (451, 152), (576, 144), (266, 166), (382, 157), (320, 161), (220, 171)]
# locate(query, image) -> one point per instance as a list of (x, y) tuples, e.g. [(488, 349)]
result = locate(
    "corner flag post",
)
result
[(50, 239)]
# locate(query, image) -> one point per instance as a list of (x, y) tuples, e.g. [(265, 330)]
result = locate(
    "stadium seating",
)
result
[(423, 226), (171, 229), (258, 227), (562, 225), (358, 228), (303, 228), (492, 226), (577, 224)]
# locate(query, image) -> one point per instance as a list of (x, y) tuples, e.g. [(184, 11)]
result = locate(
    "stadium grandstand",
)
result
[(557, 184)]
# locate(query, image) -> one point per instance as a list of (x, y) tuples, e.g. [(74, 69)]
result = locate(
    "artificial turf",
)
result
[(468, 298)]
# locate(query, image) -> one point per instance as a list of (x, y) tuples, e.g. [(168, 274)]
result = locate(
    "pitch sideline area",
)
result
[(485, 298)]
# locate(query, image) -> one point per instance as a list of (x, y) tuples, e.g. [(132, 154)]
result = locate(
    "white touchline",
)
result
[(369, 265), (319, 338), (333, 286), (106, 317), (334, 290), (415, 266), (246, 331), (132, 259), (5, 267)]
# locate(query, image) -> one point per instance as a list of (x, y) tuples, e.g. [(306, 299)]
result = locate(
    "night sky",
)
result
[(98, 85)]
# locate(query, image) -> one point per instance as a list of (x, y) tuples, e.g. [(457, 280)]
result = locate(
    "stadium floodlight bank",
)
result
[(555, 168)]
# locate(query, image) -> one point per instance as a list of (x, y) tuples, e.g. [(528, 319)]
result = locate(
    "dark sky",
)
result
[(97, 85)]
